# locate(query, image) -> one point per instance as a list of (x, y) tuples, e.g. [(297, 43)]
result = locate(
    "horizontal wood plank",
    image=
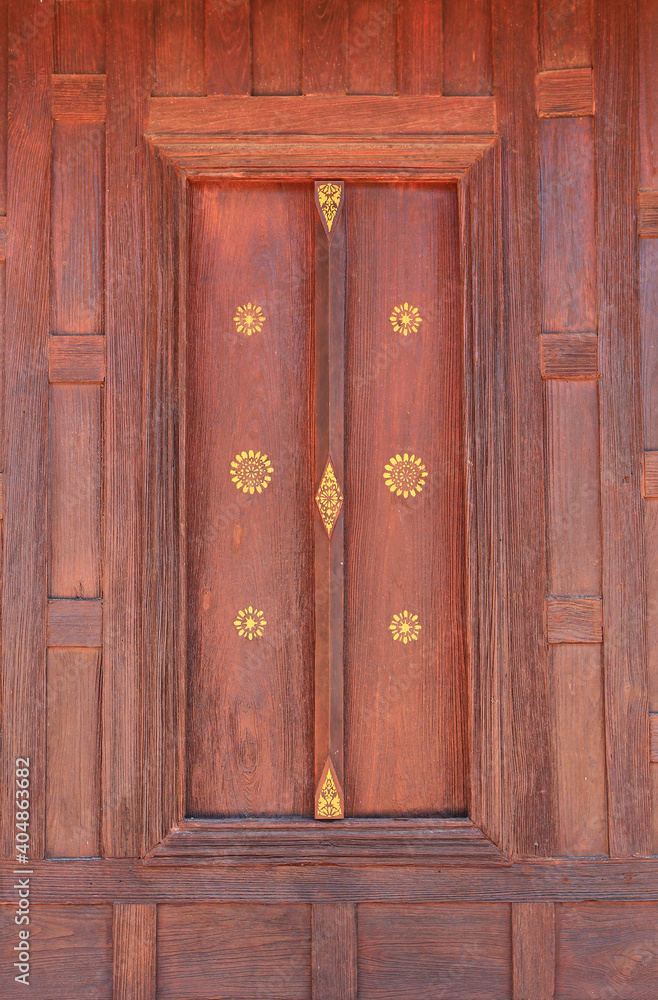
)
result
[(648, 214), (74, 623), (574, 619), (76, 358), (78, 97), (321, 115), (650, 488), (653, 737), (569, 356), (3, 237), (565, 93)]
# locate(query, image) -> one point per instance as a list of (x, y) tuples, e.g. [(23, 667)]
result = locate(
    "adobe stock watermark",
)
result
[(21, 949)]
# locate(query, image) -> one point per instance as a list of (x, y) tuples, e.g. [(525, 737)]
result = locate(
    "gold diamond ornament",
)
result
[(329, 196), (329, 498)]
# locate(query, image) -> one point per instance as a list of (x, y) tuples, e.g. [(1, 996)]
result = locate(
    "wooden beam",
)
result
[(134, 942), (574, 619), (533, 951), (565, 93), (75, 622), (78, 97), (76, 358), (334, 951), (569, 356)]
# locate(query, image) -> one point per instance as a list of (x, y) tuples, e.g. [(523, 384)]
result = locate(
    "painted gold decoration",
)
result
[(405, 627), (329, 195), (250, 623), (251, 472), (405, 319), (405, 475), (329, 498), (249, 319), (329, 796)]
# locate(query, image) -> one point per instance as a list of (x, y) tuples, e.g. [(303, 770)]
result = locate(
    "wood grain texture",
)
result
[(648, 109), (250, 704), (26, 412), (80, 36), (529, 820), (574, 619), (75, 946), (334, 951), (648, 214), (533, 951), (249, 950), (624, 652), (565, 93), (228, 47), (565, 34), (128, 84), (3, 237), (569, 356), (134, 952), (74, 622), (4, 32), (78, 97), (651, 541), (611, 947), (74, 492), (568, 234), (463, 950), (73, 791), (319, 115), (401, 552), (324, 69), (276, 46), (178, 47), (76, 358), (653, 737), (371, 47), (467, 48), (650, 487), (419, 46), (2, 495), (77, 228)]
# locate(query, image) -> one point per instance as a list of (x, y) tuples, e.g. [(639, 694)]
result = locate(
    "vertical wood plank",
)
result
[(134, 952), (79, 36), (73, 750), (648, 56), (228, 47), (624, 650), (128, 86), (4, 24), (276, 32), (526, 726), (371, 47), (178, 56), (26, 408), (325, 47), (533, 951), (420, 46), (334, 972), (565, 34), (467, 52)]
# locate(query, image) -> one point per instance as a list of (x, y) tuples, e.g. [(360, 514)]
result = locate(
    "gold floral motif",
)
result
[(329, 498), (249, 319), (405, 627), (405, 319), (250, 623), (405, 475), (251, 472), (329, 805), (329, 196)]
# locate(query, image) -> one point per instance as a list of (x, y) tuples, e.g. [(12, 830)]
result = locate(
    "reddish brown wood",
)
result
[(334, 951), (78, 97), (420, 46), (570, 356), (73, 791), (228, 47), (278, 953), (80, 36), (533, 951), (648, 81), (318, 115), (653, 737), (76, 358), (276, 46), (648, 214), (4, 25), (2, 495), (74, 622), (178, 56), (25, 413), (650, 488), (467, 48), (624, 652), (574, 619), (565, 93), (325, 47), (134, 931), (565, 34), (371, 47), (3, 237)]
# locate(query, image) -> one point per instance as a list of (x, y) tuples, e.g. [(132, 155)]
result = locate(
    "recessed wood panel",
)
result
[(250, 745), (404, 749)]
